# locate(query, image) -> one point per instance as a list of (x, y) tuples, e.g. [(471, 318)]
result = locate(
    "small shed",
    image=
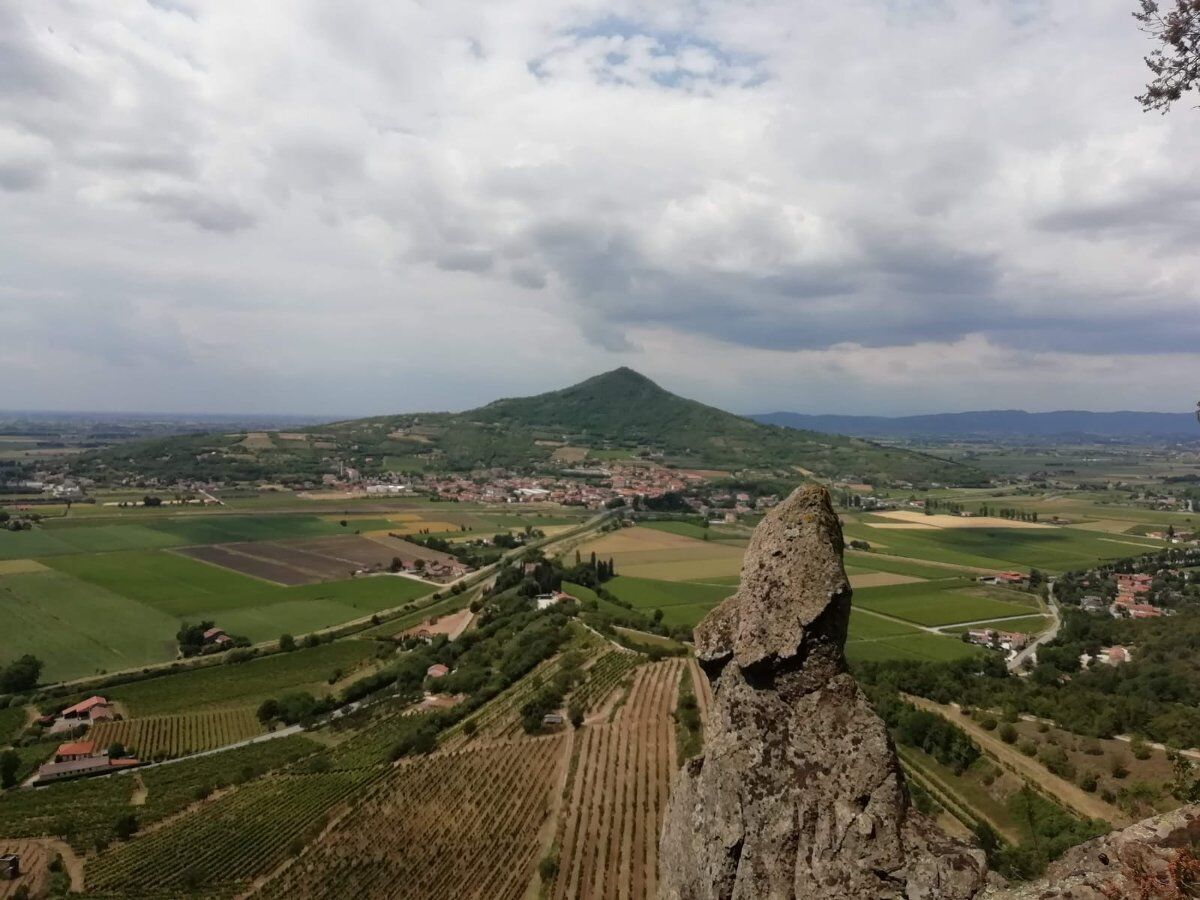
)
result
[(10, 867), (437, 670)]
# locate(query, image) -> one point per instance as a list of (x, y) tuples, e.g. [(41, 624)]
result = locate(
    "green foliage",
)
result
[(20, 675)]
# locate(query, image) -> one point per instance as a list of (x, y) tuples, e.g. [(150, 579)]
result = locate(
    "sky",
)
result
[(865, 206)]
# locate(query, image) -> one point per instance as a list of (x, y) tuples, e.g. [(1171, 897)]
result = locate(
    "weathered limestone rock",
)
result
[(798, 792), (1151, 860)]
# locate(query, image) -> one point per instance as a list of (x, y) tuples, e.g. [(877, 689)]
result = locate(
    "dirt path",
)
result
[(71, 862), (1073, 796), (140, 791)]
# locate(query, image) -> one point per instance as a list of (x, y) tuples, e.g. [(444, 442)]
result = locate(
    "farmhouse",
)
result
[(1011, 641), (93, 709), (1004, 578), (74, 750), (1135, 583), (545, 601)]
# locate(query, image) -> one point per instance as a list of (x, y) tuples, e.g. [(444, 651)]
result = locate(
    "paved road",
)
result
[(1015, 664)]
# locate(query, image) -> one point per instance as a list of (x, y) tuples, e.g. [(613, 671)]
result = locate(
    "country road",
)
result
[(1015, 664)]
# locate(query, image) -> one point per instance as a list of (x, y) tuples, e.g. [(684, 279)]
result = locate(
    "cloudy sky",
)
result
[(861, 206)]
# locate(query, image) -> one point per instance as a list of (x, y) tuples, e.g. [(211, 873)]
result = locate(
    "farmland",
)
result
[(943, 602), (227, 685), (459, 824), (165, 737), (229, 841), (607, 836), (82, 812)]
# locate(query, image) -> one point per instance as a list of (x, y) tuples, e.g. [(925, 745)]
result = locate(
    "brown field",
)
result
[(20, 566), (451, 625), (292, 436), (939, 520), (312, 560), (569, 454), (607, 835), (35, 860), (257, 440), (449, 826)]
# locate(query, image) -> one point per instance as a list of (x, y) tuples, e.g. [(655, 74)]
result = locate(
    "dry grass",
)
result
[(940, 520), (20, 566)]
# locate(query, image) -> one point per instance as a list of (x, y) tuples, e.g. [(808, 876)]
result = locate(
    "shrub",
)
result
[(1008, 733), (1028, 747)]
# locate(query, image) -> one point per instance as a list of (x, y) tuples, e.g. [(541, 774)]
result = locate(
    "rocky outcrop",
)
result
[(1152, 860), (798, 793)]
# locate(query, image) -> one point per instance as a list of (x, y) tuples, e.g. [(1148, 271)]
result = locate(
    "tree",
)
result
[(1176, 64), (20, 676), (287, 643), (268, 710), (126, 826), (116, 750), (548, 868), (10, 764)]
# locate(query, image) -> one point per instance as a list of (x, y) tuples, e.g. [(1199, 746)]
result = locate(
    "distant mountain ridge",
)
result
[(999, 423)]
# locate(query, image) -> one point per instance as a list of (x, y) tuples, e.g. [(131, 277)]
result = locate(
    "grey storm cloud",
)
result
[(590, 182)]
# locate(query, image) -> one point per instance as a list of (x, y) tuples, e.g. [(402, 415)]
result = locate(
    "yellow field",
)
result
[(20, 566), (944, 521), (1109, 526), (414, 526), (650, 553), (880, 579)]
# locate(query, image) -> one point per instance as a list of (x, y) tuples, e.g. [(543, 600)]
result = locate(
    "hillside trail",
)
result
[(1071, 795)]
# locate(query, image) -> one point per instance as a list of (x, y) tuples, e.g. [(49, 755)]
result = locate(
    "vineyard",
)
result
[(604, 676), (372, 745), (501, 718), (459, 824), (228, 842), (85, 811), (608, 834), (165, 737), (701, 688)]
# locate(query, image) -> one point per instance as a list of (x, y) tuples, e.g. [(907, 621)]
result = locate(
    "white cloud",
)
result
[(370, 206)]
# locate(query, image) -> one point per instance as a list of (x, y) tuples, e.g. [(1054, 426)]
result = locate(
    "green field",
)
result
[(923, 647), (1026, 625), (1050, 549), (682, 602), (103, 612), (185, 588), (79, 629), (939, 602), (241, 684)]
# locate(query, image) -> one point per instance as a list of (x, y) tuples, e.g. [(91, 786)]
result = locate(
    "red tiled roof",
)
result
[(85, 705), (76, 748)]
